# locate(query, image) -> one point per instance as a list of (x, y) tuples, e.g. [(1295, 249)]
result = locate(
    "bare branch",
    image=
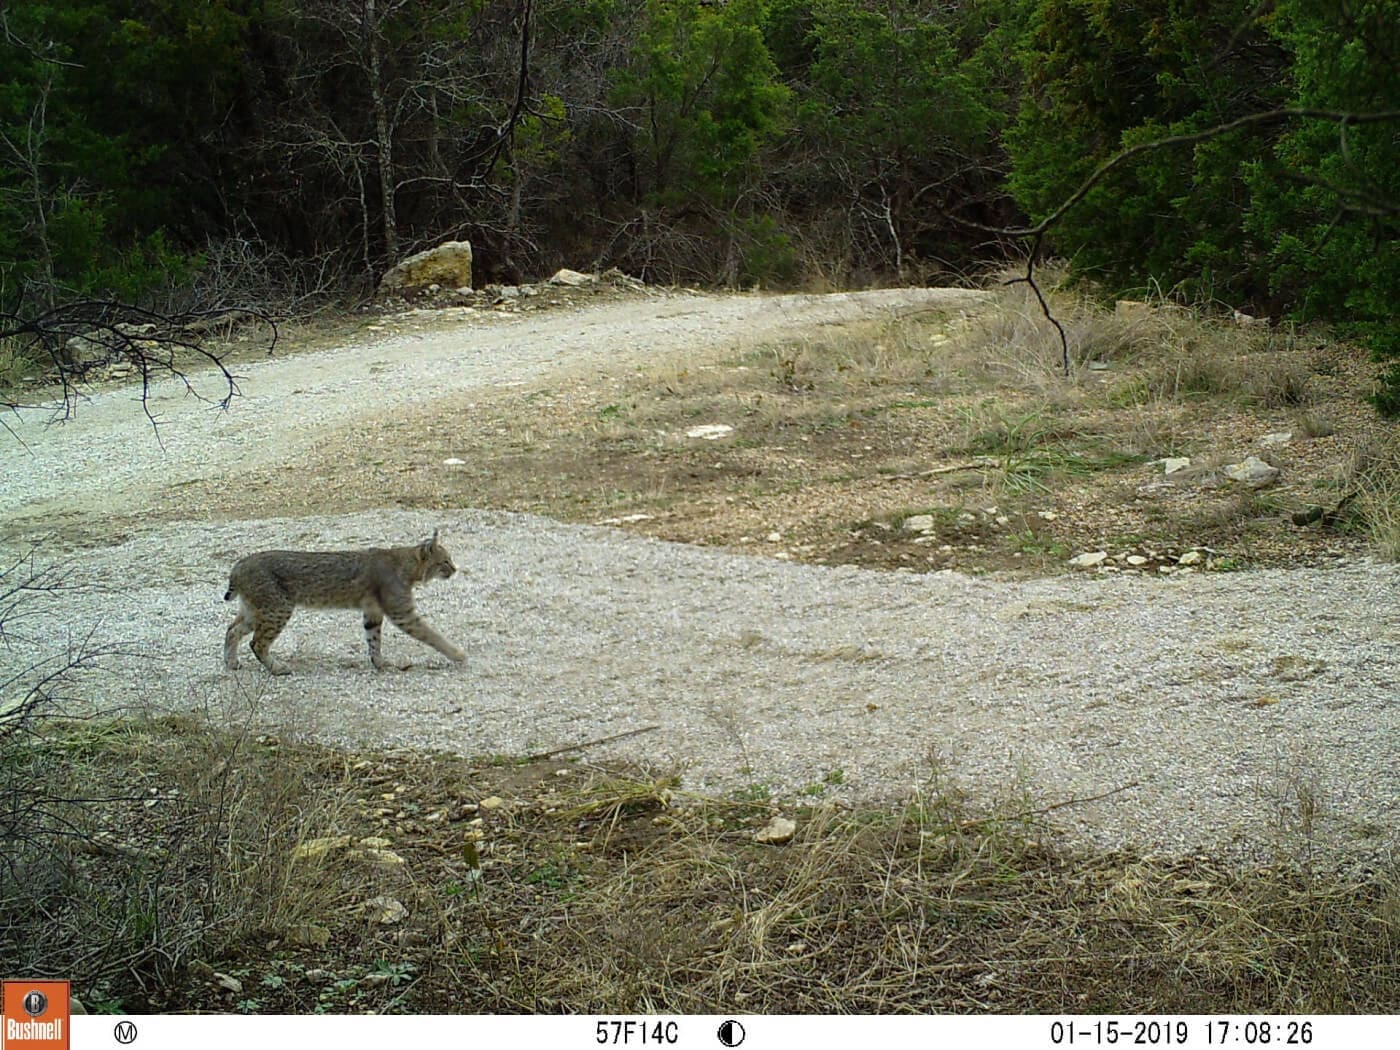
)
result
[(78, 337)]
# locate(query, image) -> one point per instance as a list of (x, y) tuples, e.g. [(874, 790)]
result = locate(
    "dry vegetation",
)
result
[(238, 873), (840, 435)]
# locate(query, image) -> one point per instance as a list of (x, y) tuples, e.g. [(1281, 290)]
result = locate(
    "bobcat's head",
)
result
[(433, 561)]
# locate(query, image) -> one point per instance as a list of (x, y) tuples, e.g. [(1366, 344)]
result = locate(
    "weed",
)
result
[(1374, 475), (1314, 424), (1034, 543)]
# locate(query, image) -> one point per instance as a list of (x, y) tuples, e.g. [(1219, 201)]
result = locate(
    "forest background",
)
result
[(190, 154)]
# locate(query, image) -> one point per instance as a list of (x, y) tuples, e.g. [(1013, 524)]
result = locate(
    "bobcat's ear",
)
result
[(429, 545)]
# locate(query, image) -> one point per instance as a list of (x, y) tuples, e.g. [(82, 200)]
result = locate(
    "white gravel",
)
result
[(1233, 713)]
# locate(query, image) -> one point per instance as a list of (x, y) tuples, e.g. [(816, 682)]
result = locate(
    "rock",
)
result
[(1191, 558), (308, 934), (709, 431), (1089, 559), (374, 842), (315, 848), (229, 984), (318, 976), (617, 277), (1252, 471), (83, 351), (453, 461), (1136, 559), (778, 831), (493, 802), (1098, 366), (448, 265), (385, 911), (1244, 320), (379, 858), (1279, 437), (918, 523), (1172, 464), (572, 278)]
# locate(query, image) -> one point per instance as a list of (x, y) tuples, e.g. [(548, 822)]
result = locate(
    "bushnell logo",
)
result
[(35, 1015)]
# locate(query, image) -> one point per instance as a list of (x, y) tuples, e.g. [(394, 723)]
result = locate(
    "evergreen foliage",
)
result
[(717, 140)]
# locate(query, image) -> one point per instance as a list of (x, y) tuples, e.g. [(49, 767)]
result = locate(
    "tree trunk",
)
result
[(383, 133)]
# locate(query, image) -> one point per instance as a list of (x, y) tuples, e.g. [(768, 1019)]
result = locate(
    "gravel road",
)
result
[(1234, 713)]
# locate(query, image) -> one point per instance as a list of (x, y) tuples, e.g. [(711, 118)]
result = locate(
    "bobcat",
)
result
[(378, 581)]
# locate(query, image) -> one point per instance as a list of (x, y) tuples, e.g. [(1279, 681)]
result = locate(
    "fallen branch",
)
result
[(1077, 801), (980, 463), (537, 756)]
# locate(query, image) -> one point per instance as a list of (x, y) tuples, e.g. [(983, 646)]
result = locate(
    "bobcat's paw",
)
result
[(456, 655)]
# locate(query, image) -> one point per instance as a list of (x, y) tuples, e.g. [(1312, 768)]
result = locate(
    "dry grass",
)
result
[(608, 891), (160, 843), (1373, 476)]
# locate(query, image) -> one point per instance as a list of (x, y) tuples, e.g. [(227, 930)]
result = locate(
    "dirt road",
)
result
[(1240, 713)]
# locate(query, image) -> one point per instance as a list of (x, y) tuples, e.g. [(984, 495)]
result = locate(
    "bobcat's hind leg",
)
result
[(241, 627)]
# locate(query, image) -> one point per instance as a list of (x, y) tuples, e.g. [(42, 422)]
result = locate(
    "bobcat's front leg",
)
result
[(374, 630)]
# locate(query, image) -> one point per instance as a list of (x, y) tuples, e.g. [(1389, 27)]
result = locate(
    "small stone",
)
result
[(453, 461), (1089, 559), (1046, 515), (1172, 464), (229, 984), (778, 831), (774, 537), (572, 278), (918, 523), (1278, 437), (375, 842), (308, 934), (318, 976), (385, 911), (492, 802), (709, 431), (1191, 558), (314, 848), (379, 858), (1136, 559), (1253, 472)]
